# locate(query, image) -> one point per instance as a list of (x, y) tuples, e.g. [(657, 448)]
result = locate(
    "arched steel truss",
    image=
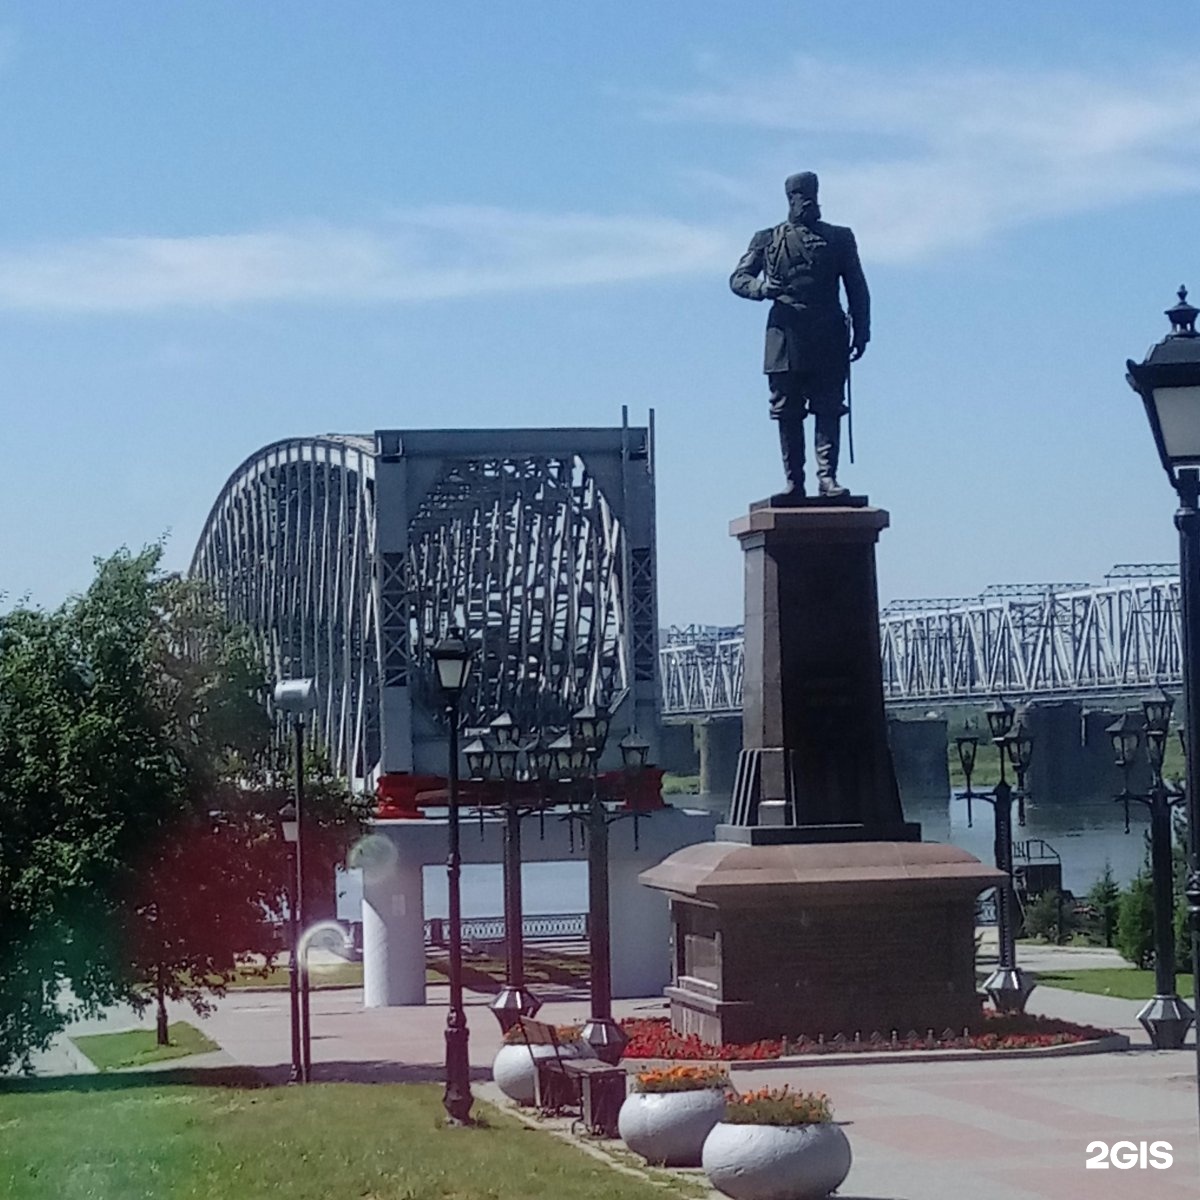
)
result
[(289, 549), (350, 556), (1041, 641)]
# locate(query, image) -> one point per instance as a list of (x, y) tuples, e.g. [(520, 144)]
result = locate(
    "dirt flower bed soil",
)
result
[(654, 1038)]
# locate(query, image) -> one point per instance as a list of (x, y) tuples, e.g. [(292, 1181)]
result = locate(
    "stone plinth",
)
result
[(815, 939), (813, 724)]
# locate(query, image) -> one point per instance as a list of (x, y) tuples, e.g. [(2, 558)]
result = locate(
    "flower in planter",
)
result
[(681, 1079), (567, 1035), (776, 1144), (778, 1106)]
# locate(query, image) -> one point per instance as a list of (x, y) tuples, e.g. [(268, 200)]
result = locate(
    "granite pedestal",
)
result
[(818, 910), (821, 939)]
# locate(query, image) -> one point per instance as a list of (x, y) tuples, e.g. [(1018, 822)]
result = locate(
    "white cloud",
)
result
[(920, 160), (433, 253)]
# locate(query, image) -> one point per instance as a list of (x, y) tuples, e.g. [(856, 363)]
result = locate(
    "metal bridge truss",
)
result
[(528, 556), (289, 549), (700, 670), (349, 557), (1050, 641)]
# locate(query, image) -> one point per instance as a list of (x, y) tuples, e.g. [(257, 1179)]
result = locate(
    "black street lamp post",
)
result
[(1168, 381), (486, 760), (297, 696), (452, 659), (1008, 986), (577, 760), (291, 833), (1165, 1017)]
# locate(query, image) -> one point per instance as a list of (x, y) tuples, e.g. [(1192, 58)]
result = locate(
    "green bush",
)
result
[(1042, 915), (1135, 921), (1104, 898)]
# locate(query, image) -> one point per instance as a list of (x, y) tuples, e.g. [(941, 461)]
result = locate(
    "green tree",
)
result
[(1135, 921), (1183, 928), (1104, 897), (140, 856), (53, 841), (1051, 917)]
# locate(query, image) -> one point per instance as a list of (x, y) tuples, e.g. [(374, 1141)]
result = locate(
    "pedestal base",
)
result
[(1008, 988), (822, 939), (1167, 1020)]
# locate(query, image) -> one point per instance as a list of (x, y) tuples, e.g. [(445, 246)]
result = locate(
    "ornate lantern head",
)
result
[(999, 718), (452, 658)]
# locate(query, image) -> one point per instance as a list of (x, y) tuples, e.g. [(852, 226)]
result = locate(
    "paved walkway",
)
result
[(991, 1130)]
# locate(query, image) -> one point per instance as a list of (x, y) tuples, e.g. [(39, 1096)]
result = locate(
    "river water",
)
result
[(1085, 834)]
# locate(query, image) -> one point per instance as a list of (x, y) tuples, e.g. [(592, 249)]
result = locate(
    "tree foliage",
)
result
[(140, 855), (1135, 924), (1051, 917), (1104, 899), (1135, 921)]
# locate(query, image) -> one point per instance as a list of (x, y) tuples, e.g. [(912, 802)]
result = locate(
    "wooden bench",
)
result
[(594, 1089)]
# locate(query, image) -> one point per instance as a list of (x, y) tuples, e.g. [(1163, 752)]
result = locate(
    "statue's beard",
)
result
[(808, 212)]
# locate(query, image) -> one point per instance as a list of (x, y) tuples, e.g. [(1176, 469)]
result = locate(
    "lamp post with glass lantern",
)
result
[(577, 758), (1008, 986), (1165, 1017), (297, 697), (1168, 381), (452, 660), (290, 827), (488, 760)]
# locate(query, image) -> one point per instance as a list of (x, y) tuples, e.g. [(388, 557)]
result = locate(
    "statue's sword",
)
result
[(849, 402)]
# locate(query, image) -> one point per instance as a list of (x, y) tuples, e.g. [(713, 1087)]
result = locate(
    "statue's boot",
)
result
[(791, 442), (827, 439)]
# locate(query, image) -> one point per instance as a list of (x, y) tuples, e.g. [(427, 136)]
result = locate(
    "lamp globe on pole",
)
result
[(1000, 715), (452, 661), (634, 751), (297, 697), (1168, 382)]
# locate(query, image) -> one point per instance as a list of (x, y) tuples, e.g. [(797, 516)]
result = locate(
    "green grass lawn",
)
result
[(486, 972), (201, 1135), (136, 1047), (320, 975), (1123, 982), (680, 785)]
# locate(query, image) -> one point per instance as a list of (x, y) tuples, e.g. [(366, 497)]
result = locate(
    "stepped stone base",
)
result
[(821, 939)]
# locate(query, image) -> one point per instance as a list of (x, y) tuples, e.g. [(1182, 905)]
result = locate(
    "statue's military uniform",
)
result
[(808, 343)]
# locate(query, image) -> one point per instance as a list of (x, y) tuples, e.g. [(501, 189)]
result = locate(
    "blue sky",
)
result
[(225, 223)]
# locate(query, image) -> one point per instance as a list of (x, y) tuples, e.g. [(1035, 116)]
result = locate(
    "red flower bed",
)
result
[(654, 1038)]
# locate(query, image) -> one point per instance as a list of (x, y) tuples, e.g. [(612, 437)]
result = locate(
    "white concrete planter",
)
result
[(776, 1162), (669, 1128), (513, 1070)]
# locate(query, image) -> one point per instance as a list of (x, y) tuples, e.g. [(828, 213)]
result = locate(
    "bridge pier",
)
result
[(677, 750), (919, 756), (1072, 754), (393, 897), (393, 916), (720, 743)]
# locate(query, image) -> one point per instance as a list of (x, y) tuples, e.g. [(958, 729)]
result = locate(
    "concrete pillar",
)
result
[(677, 749), (393, 934), (919, 756), (641, 930), (720, 743), (1072, 755)]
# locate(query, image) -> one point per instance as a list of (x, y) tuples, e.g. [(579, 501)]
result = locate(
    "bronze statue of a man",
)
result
[(810, 343)]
